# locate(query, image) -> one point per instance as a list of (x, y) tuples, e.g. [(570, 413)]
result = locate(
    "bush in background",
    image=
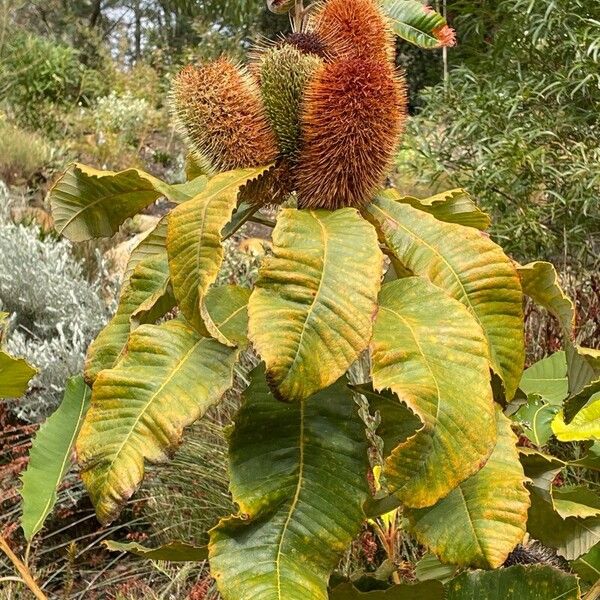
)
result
[(22, 153), (55, 311), (517, 123)]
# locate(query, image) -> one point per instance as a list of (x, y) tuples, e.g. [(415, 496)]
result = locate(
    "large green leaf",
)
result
[(535, 418), (584, 426), (570, 537), (468, 266), (576, 501), (15, 374), (194, 239), (225, 314), (541, 469), (51, 455), (532, 582), (583, 370), (430, 590), (172, 552), (430, 567), (481, 521), (415, 22), (588, 565), (547, 378), (429, 350), (298, 473), (540, 282), (88, 203), (454, 206), (144, 298), (168, 377), (311, 312)]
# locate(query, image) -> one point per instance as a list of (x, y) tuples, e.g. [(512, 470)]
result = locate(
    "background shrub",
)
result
[(22, 153)]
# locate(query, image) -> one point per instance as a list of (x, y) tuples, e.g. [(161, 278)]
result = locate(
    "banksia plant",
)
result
[(356, 29), (219, 110), (419, 348), (360, 103), (284, 75)]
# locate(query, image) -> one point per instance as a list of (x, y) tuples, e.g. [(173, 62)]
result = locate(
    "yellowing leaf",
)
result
[(144, 298), (468, 266), (168, 378), (194, 236), (540, 282), (153, 244), (298, 473), (454, 206), (311, 312), (481, 521), (429, 350), (225, 314), (15, 374), (429, 590), (584, 426), (88, 203), (50, 456)]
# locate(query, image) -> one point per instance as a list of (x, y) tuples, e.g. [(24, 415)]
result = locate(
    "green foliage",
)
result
[(22, 153), (50, 456), (516, 123)]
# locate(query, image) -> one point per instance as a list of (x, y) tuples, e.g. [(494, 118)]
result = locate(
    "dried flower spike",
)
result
[(218, 106), (353, 116), (355, 29), (284, 76)]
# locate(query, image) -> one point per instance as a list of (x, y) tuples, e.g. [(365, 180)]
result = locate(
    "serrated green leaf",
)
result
[(535, 418), (225, 314), (168, 378), (194, 237), (531, 582), (15, 375), (571, 537), (541, 469), (88, 203), (144, 298), (429, 350), (590, 460), (51, 455), (584, 426), (583, 370), (153, 244), (454, 206), (171, 552), (311, 312), (480, 522), (588, 565), (547, 378), (468, 266), (298, 473), (540, 282), (576, 501), (430, 590), (415, 22), (431, 568)]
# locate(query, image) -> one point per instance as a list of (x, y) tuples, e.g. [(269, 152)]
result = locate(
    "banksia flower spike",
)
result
[(353, 116), (218, 106), (284, 76), (354, 29)]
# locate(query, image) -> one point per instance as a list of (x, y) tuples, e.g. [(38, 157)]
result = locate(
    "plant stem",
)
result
[(262, 221), (23, 570)]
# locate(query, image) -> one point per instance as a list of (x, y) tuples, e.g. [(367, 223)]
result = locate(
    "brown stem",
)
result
[(23, 570)]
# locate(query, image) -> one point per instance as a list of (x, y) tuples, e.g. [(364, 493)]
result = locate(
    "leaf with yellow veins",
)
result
[(88, 203), (168, 377), (429, 351), (225, 314), (144, 298), (481, 521), (468, 266), (194, 235), (311, 312), (299, 475)]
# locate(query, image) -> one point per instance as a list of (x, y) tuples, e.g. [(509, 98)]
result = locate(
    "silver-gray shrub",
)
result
[(55, 311)]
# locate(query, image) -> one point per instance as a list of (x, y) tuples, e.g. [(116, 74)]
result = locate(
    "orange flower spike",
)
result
[(354, 113), (355, 29), (218, 106), (445, 35)]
